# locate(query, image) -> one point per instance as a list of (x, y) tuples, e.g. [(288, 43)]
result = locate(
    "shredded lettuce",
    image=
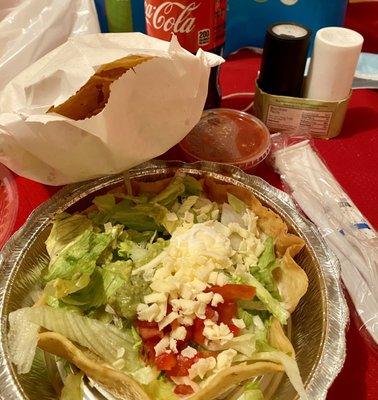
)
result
[(137, 339), (230, 216), (169, 195), (135, 213), (92, 296), (23, 340), (161, 389), (251, 305), (105, 203), (273, 305), (105, 340), (140, 237), (245, 316), (56, 303), (79, 257), (146, 375), (114, 276), (238, 205), (141, 254), (59, 288), (88, 291), (73, 387), (140, 217), (128, 249), (265, 266), (193, 187), (252, 391), (290, 366), (65, 230)]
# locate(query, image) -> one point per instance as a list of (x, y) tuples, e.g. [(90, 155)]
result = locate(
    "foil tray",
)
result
[(318, 323)]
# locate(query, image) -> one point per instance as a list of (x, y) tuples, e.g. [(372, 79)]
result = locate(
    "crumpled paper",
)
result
[(150, 108)]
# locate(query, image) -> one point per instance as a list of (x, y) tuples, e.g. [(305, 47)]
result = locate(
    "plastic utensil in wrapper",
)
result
[(8, 204), (347, 232), (228, 136)]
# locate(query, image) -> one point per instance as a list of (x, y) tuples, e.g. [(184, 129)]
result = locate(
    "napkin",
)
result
[(151, 107)]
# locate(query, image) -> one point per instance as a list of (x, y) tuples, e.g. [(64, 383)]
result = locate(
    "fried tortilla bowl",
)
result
[(318, 322), (292, 280)]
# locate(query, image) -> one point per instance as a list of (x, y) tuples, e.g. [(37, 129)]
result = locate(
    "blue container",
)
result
[(139, 21), (248, 20), (101, 13)]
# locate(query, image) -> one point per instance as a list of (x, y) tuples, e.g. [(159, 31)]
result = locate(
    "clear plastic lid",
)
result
[(8, 204), (228, 136)]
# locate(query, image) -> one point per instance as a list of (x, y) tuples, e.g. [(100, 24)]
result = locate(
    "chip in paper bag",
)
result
[(101, 104)]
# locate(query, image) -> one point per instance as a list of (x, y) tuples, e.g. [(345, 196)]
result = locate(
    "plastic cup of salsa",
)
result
[(227, 136)]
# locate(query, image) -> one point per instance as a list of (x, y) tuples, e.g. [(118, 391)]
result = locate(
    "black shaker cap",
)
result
[(284, 59)]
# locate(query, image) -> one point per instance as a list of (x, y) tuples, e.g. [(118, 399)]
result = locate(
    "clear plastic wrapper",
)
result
[(347, 232), (8, 204), (29, 29)]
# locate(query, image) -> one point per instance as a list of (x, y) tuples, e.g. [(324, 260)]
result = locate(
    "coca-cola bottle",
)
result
[(196, 23)]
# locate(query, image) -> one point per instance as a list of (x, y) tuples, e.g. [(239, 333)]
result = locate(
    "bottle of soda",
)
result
[(197, 24)]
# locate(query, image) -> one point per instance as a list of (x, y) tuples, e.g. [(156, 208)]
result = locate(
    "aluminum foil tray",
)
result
[(318, 324)]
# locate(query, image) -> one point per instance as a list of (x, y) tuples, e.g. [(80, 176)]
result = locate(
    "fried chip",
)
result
[(278, 339), (227, 379), (91, 98), (149, 187), (116, 382)]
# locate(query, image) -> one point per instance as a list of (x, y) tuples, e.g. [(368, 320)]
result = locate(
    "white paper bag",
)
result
[(150, 108)]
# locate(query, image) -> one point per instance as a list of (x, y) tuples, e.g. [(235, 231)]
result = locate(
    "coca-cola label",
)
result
[(197, 23)]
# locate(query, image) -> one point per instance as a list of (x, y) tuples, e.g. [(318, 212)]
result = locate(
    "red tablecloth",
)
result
[(353, 159)]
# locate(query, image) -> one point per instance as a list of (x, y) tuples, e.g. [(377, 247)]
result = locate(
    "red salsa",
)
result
[(228, 136)]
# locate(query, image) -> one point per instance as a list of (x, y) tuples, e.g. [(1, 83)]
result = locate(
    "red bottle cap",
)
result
[(8, 204), (227, 136)]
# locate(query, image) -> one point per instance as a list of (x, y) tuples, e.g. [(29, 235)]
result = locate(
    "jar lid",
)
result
[(8, 204), (227, 136)]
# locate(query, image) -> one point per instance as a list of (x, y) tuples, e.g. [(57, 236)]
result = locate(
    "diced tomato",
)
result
[(210, 313), (234, 329), (165, 361), (145, 324), (148, 349), (175, 324), (198, 325), (189, 333), (182, 366), (227, 311), (183, 390), (182, 344), (149, 333), (148, 330), (232, 292), (207, 354)]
